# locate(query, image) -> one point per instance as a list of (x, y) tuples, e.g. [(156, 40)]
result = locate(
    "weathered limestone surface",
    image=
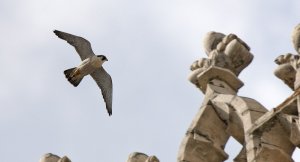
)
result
[(296, 38), (223, 113), (53, 158), (141, 157), (266, 136)]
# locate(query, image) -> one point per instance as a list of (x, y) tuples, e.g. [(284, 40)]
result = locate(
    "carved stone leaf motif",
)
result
[(239, 55), (211, 41)]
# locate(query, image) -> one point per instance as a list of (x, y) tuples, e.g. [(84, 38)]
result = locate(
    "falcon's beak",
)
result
[(106, 59)]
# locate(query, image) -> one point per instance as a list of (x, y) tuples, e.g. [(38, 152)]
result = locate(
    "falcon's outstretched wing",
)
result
[(104, 82), (82, 46)]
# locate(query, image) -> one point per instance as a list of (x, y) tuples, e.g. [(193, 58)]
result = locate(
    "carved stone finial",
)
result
[(49, 157), (296, 38), (226, 53), (224, 113), (141, 157), (288, 70)]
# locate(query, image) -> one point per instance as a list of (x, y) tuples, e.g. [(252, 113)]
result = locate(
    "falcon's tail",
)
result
[(73, 78)]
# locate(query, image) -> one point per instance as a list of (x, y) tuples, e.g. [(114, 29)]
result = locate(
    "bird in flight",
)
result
[(91, 65)]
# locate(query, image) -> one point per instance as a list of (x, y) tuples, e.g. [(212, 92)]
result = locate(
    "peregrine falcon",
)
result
[(91, 64)]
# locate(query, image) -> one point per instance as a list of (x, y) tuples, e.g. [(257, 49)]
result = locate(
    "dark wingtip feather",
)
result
[(109, 112), (58, 33)]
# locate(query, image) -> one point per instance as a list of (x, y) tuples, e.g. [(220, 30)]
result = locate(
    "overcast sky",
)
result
[(150, 46)]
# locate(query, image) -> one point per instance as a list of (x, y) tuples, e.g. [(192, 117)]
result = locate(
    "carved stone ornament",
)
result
[(296, 38), (227, 55), (49, 157), (265, 135), (141, 157)]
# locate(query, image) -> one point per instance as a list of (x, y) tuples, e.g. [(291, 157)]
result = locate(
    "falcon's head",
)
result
[(102, 57)]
